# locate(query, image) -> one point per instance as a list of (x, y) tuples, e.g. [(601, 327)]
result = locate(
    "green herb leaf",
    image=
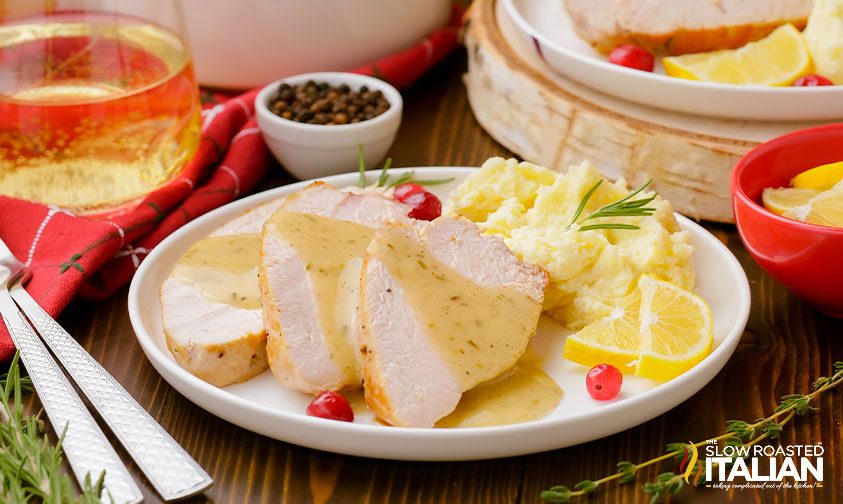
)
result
[(401, 179), (430, 182), (677, 449), (608, 226), (586, 486), (821, 382), (584, 202), (798, 402), (627, 471), (384, 172), (740, 429), (772, 429), (361, 165), (556, 495)]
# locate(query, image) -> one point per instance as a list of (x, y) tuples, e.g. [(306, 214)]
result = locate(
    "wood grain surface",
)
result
[(785, 346)]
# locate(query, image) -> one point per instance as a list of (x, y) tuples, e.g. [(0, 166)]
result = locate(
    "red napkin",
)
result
[(68, 254)]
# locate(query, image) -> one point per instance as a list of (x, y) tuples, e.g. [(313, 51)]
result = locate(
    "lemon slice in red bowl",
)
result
[(822, 177)]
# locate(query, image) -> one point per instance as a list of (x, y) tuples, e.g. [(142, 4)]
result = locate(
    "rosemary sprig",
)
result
[(361, 166), (738, 433), (384, 178), (624, 207), (30, 464)]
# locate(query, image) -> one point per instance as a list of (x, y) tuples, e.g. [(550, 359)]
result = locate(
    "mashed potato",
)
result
[(590, 270)]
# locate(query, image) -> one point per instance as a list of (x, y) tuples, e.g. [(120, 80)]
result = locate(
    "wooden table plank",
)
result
[(786, 345)]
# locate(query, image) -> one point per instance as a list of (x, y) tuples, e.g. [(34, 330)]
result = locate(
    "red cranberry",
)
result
[(603, 382), (812, 81), (632, 56), (404, 190), (426, 206), (331, 405)]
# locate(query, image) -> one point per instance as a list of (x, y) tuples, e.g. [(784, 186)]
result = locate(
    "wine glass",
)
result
[(98, 101)]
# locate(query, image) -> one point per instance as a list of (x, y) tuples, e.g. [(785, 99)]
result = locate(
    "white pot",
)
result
[(250, 43)]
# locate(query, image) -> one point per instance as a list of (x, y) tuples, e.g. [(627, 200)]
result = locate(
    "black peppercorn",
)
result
[(321, 103)]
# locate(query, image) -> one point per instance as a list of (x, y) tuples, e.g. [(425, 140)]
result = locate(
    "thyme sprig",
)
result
[(624, 207), (30, 463), (738, 433), (384, 179)]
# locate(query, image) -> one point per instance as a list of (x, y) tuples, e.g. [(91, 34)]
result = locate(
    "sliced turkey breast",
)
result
[(682, 26), (443, 308), (311, 252), (220, 341)]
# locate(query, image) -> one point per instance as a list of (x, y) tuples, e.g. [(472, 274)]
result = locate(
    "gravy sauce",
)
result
[(521, 394), (224, 269)]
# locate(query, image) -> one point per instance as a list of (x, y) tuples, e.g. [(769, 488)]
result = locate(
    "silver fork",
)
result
[(87, 450), (170, 470)]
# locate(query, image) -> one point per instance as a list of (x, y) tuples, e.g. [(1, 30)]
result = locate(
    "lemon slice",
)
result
[(610, 340), (676, 329), (822, 177), (780, 200), (659, 332), (776, 60), (825, 209)]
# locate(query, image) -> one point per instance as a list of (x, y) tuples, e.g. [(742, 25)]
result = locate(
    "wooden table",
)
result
[(785, 346)]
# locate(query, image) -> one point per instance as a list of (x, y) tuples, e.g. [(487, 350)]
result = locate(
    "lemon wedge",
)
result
[(782, 199), (658, 332), (825, 209), (610, 340), (676, 330), (776, 60), (822, 177)]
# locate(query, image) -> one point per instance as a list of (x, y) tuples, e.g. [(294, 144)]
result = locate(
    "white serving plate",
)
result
[(546, 27), (264, 406)]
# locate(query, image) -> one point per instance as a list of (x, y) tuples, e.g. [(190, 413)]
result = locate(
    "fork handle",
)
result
[(173, 473), (87, 450)]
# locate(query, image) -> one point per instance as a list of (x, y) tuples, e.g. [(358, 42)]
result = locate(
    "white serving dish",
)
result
[(249, 43), (262, 405), (316, 150), (546, 27)]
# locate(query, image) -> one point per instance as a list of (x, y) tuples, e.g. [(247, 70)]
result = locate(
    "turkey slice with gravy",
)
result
[(310, 257), (443, 308), (210, 306)]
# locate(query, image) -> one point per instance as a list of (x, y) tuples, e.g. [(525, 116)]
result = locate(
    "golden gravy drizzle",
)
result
[(479, 331), (326, 246), (224, 269), (521, 394)]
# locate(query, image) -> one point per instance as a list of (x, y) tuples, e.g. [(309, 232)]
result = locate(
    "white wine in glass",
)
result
[(98, 101)]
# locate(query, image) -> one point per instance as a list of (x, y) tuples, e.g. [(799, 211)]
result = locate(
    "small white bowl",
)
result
[(316, 150)]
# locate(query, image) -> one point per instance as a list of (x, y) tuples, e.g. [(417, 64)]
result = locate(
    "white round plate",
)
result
[(264, 406), (546, 27)]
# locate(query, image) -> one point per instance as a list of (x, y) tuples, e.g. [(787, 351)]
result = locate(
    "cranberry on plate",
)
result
[(331, 405), (812, 81), (603, 382), (632, 56), (426, 206), (404, 190)]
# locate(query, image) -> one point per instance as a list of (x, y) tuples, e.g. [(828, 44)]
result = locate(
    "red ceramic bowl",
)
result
[(805, 258)]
